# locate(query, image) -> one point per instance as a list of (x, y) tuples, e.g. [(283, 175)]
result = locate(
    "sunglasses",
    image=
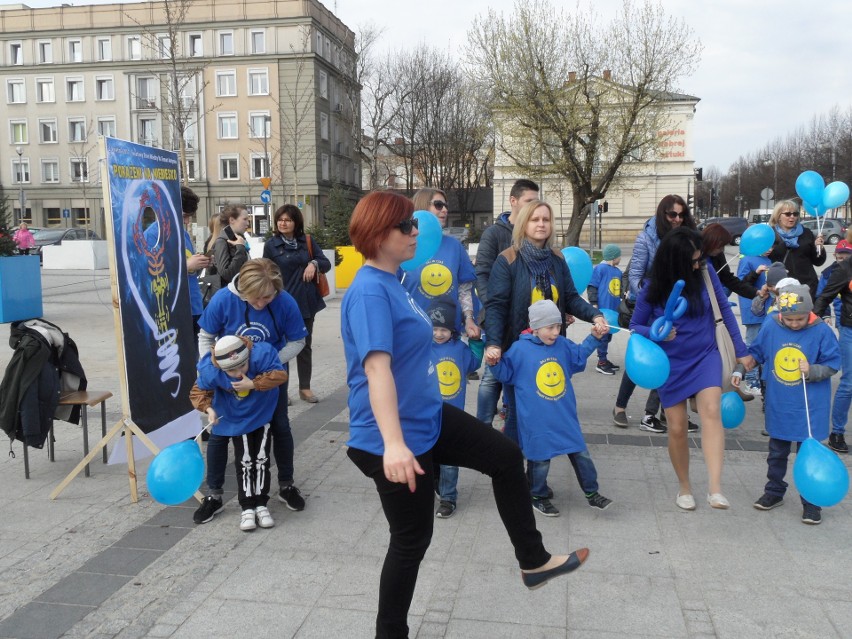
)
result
[(439, 204), (793, 213), (699, 262), (673, 214), (406, 226)]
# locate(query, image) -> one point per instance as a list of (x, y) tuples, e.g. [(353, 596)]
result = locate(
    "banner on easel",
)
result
[(159, 347)]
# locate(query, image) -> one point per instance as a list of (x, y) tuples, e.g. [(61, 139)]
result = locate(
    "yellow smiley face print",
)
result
[(436, 279), (787, 364), (615, 287), (550, 380), (537, 296), (449, 378)]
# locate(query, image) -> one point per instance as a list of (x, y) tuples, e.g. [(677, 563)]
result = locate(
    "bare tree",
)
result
[(80, 150), (576, 98)]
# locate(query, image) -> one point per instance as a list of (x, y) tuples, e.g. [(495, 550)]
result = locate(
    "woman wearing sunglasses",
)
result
[(795, 246), (398, 426)]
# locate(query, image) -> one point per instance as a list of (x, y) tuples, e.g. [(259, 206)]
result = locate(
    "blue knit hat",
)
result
[(610, 252)]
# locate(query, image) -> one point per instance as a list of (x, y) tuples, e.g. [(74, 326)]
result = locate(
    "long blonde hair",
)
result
[(520, 231)]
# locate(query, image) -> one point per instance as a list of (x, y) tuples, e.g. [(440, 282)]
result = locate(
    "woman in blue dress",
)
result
[(399, 429), (696, 365)]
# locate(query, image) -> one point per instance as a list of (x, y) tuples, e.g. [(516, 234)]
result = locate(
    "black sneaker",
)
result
[(768, 502), (662, 417), (619, 418), (651, 424), (613, 366), (291, 496), (691, 426), (605, 368), (596, 500), (473, 375), (544, 507), (837, 443), (446, 509), (811, 514), (209, 508)]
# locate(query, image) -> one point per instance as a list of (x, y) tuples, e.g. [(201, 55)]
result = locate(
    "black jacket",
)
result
[(800, 262), (495, 239), (838, 282), (744, 287), (44, 363), (227, 258), (292, 263)]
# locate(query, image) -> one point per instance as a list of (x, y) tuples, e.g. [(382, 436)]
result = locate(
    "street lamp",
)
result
[(267, 131), (21, 197), (737, 171), (775, 176)]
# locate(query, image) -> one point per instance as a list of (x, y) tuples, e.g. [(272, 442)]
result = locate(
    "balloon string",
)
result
[(807, 410), (618, 329), (726, 263), (197, 438)]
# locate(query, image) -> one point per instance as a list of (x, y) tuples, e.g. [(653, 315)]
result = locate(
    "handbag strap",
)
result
[(310, 247), (711, 292)]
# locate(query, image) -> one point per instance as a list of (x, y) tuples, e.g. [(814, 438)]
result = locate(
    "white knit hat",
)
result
[(230, 352)]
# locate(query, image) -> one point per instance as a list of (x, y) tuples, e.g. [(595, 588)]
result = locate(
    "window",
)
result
[(134, 48), (79, 170), (191, 173), (323, 84), (20, 171), (75, 51), (104, 89), (258, 80), (15, 93), (319, 43), (77, 130), (53, 215), (227, 126), (16, 53), (147, 131), (258, 42), (106, 127), (324, 126), (74, 90), (226, 83), (195, 48), (104, 49), (44, 90), (50, 171), (45, 52), (260, 125), (164, 47), (325, 166), (226, 43), (259, 166), (19, 133), (47, 131), (229, 168), (146, 97)]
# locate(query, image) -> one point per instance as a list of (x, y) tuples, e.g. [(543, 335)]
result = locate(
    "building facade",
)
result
[(245, 91)]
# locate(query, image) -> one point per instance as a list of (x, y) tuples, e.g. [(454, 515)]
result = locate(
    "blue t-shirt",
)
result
[(607, 279), (243, 412), (441, 276), (378, 315), (748, 264), (279, 323), (453, 362), (779, 349), (548, 424)]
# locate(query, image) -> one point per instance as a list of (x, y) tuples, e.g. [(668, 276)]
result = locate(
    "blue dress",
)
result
[(693, 354)]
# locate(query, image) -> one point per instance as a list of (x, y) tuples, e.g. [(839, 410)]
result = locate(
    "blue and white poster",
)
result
[(152, 292)]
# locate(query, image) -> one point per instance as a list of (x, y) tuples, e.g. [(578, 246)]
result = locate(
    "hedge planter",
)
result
[(20, 288)]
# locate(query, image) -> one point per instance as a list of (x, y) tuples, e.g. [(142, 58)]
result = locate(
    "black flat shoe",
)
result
[(533, 580)]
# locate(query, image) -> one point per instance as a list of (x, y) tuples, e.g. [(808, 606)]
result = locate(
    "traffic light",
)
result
[(699, 174), (605, 206), (689, 201)]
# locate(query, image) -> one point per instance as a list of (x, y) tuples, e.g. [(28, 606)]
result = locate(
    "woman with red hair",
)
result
[(400, 430)]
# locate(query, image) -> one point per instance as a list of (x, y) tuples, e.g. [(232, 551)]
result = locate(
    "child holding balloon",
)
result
[(237, 387), (604, 291), (540, 365), (798, 350)]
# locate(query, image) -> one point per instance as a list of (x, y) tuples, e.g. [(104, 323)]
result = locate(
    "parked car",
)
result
[(832, 230), (50, 237), (736, 226), (458, 232)]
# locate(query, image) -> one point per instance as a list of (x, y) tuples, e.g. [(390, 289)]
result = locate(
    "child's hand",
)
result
[(760, 269), (672, 334), (599, 331), (245, 383), (212, 417), (804, 367), (747, 361), (493, 355), (569, 319), (736, 378)]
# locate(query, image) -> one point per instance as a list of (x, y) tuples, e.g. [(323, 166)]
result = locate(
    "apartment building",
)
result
[(242, 90)]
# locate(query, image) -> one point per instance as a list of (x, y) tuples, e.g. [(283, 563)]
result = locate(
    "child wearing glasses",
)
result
[(604, 291), (540, 365)]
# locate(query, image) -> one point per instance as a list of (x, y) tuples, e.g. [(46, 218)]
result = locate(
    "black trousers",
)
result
[(304, 360), (466, 442), (251, 457)]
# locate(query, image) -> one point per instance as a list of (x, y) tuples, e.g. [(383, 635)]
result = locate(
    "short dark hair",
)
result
[(295, 214), (522, 185), (715, 237), (188, 201)]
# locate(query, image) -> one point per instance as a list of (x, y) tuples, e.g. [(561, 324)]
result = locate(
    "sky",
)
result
[(768, 66)]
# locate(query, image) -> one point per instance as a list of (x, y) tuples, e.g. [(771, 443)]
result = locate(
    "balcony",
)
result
[(146, 103)]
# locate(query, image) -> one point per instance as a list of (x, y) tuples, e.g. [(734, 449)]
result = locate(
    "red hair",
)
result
[(715, 237), (373, 219)]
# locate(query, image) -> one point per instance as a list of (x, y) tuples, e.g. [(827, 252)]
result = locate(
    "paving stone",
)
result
[(42, 620), (121, 561), (83, 589), (152, 537)]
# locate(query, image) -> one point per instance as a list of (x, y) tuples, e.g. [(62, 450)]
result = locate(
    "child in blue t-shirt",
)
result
[(604, 291), (237, 387), (793, 344), (756, 268), (453, 361), (540, 368)]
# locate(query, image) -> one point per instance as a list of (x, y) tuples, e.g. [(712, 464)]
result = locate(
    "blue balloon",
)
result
[(176, 473), (757, 239), (428, 240), (611, 318), (820, 476), (580, 265), (809, 186), (647, 364), (835, 194), (675, 308), (733, 410)]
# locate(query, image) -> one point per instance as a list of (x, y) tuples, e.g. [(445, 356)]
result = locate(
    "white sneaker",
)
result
[(686, 502), (247, 521), (264, 519), (753, 390)]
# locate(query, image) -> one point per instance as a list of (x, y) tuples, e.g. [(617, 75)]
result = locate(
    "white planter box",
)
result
[(87, 255), (332, 286)]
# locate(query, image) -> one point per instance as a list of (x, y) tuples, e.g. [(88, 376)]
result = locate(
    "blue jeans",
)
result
[(603, 348), (779, 451), (448, 483), (752, 378), (843, 394), (584, 468), (487, 396)]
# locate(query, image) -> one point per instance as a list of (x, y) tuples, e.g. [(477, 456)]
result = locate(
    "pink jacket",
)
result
[(24, 239)]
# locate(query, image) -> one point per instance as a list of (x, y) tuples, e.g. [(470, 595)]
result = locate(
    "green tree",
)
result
[(334, 231), (7, 244)]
